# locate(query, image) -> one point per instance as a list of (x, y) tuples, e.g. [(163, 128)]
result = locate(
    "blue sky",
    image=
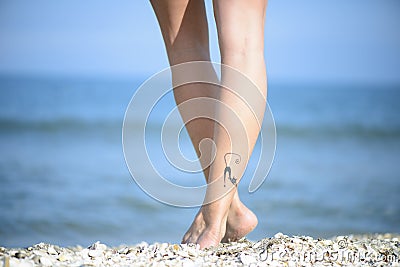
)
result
[(310, 40)]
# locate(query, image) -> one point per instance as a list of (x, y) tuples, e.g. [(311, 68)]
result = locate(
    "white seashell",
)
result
[(143, 244), (76, 263), (187, 263), (279, 235), (160, 264), (46, 261), (192, 252), (40, 253), (25, 263), (327, 242), (98, 246), (123, 250), (84, 253), (101, 246), (64, 257), (52, 251), (116, 259), (183, 253), (10, 262), (95, 253), (247, 259), (257, 245), (164, 246)]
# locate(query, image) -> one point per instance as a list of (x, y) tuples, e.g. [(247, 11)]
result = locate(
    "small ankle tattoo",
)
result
[(228, 170)]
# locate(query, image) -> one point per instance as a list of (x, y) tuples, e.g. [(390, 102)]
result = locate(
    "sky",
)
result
[(310, 40)]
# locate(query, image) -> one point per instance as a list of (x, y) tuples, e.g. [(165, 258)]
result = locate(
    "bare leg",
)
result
[(185, 31), (241, 38), (184, 28)]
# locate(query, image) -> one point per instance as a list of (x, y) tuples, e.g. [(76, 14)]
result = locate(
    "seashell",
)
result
[(175, 247), (192, 252), (247, 259), (327, 242), (95, 253), (257, 245), (101, 246), (143, 244), (24, 264), (20, 254), (64, 257), (35, 258), (51, 251), (84, 253), (279, 235), (183, 253), (46, 261), (123, 250)]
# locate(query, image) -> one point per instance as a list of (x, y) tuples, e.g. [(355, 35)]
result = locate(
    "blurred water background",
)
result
[(64, 180)]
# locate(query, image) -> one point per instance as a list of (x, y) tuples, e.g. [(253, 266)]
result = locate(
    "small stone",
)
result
[(279, 235), (84, 253), (327, 242), (12, 252), (25, 264), (116, 259), (183, 253), (64, 257), (36, 259), (143, 245), (95, 253), (160, 264), (257, 245), (46, 261), (12, 262), (76, 263), (20, 255), (188, 263), (192, 252), (247, 259), (123, 250), (51, 251), (40, 253), (101, 246), (97, 246)]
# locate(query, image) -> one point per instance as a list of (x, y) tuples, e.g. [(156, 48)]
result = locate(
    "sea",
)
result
[(64, 179)]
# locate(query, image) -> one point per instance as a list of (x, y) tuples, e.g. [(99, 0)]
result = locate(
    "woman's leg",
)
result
[(241, 38), (184, 28)]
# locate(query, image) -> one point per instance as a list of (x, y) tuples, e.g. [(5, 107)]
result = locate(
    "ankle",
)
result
[(214, 215)]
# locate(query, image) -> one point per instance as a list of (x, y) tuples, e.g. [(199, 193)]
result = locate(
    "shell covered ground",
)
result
[(280, 250)]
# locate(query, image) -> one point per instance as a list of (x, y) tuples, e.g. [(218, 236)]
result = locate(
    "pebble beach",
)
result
[(279, 250)]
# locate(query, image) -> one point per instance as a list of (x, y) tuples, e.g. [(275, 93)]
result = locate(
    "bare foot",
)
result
[(241, 221), (207, 230), (203, 233)]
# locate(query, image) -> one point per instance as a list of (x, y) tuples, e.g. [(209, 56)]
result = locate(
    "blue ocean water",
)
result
[(63, 177)]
